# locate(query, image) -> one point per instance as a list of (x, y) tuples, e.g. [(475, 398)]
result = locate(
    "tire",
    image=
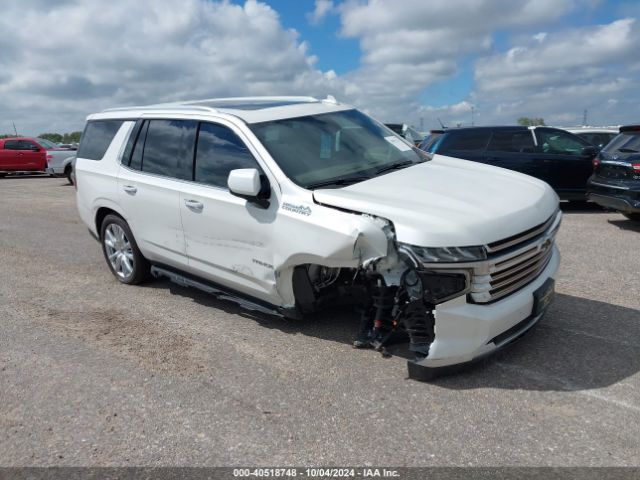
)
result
[(633, 216), (121, 251), (68, 173)]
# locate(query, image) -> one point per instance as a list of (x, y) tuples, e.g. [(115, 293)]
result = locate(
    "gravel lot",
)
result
[(97, 373)]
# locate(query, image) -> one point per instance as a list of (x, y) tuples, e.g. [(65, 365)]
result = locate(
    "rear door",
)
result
[(228, 239), (154, 170), (515, 150), (9, 154), (467, 144), (561, 152)]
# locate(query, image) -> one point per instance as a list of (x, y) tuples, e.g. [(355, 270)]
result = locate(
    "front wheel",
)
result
[(633, 216), (121, 252), (68, 172)]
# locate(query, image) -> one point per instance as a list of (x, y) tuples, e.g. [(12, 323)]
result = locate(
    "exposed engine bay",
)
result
[(390, 294)]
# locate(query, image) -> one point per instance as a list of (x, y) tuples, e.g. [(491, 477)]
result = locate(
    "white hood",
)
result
[(447, 202)]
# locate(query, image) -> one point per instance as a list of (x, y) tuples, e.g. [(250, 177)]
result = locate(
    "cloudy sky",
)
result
[(415, 61)]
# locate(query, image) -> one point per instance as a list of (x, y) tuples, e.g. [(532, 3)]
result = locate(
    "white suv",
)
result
[(286, 205)]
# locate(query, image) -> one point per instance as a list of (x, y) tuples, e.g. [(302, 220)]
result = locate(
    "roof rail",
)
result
[(200, 105), (166, 106), (246, 99)]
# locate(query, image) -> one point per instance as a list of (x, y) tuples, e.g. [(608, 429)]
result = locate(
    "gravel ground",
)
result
[(97, 373)]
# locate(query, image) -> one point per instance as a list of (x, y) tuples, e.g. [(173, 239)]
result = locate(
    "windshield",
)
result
[(46, 143), (334, 148), (628, 142), (430, 142)]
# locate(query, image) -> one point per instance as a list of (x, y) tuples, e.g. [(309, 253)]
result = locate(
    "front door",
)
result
[(32, 156), (562, 153), (228, 238)]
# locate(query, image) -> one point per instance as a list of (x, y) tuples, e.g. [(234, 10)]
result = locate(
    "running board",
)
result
[(203, 285)]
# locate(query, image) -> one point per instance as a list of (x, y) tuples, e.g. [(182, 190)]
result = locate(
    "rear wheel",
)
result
[(633, 216), (121, 252)]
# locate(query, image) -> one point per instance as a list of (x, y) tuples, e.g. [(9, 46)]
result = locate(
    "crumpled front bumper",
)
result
[(466, 332)]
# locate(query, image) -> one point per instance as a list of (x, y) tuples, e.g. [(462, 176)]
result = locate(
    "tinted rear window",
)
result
[(168, 148), (97, 137), (511, 141), (466, 140), (624, 143)]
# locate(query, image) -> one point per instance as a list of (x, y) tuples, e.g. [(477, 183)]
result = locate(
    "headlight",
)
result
[(434, 287), (447, 254)]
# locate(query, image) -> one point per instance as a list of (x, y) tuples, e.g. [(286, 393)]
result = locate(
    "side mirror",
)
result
[(590, 151), (247, 183)]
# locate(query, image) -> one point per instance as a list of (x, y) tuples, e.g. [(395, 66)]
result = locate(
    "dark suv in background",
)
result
[(561, 159), (615, 182)]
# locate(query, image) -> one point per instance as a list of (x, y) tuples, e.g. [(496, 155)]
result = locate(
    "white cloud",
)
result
[(539, 37), (92, 55), (408, 46), (569, 71), (321, 10)]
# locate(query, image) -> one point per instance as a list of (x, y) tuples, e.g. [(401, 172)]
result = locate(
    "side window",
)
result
[(168, 148), (219, 151), (27, 145), (511, 141), (97, 137), (12, 145), (466, 140), (558, 142), (133, 136), (138, 147)]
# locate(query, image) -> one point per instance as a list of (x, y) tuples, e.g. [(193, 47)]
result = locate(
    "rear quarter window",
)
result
[(97, 137)]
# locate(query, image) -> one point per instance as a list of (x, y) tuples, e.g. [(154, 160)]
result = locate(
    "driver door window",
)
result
[(559, 143), (219, 150)]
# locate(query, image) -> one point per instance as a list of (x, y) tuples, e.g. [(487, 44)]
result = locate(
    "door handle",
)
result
[(194, 205), (130, 189)]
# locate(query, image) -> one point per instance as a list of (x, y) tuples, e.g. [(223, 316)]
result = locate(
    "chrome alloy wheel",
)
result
[(119, 250)]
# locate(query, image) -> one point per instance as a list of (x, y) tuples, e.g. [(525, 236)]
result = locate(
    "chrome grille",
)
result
[(514, 262), (521, 237)]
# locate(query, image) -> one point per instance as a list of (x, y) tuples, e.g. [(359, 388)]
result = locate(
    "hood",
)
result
[(447, 202)]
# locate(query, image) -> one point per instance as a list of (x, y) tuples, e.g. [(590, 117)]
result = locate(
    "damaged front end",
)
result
[(395, 292)]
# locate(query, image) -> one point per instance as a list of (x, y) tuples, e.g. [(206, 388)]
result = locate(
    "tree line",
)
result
[(71, 137)]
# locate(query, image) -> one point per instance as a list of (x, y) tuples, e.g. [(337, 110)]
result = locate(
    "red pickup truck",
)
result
[(26, 154)]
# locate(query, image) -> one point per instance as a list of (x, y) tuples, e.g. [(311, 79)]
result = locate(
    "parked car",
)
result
[(597, 136), (68, 146), (406, 132), (288, 205), (27, 154), (560, 158), (62, 165), (615, 182)]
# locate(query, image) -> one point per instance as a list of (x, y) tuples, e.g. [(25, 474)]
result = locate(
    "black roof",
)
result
[(493, 127)]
